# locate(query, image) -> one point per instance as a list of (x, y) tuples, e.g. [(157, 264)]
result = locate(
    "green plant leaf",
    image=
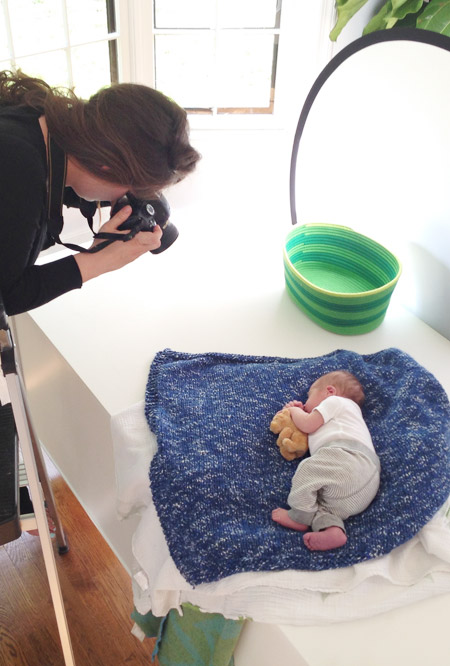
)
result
[(398, 4), (380, 20), (436, 17), (391, 12), (410, 21), (345, 10), (408, 7)]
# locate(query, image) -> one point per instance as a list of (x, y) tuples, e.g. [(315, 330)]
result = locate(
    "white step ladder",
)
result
[(33, 474)]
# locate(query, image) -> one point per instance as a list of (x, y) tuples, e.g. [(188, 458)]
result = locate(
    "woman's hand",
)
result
[(151, 240), (118, 253)]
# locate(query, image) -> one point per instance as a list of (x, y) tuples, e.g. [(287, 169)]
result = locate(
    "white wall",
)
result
[(401, 197), (375, 155)]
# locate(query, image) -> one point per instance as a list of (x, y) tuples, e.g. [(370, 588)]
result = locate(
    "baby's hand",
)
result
[(294, 403)]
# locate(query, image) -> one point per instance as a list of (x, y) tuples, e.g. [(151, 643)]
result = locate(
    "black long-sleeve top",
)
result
[(23, 217)]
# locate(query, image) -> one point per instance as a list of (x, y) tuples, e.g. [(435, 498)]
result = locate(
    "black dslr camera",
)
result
[(145, 216)]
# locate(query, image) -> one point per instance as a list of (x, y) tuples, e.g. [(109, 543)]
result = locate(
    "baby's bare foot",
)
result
[(332, 537), (281, 516)]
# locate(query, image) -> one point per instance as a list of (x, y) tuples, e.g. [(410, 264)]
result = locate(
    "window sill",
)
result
[(238, 121)]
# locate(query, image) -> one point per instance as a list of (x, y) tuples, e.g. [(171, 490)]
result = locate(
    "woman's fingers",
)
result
[(118, 219), (151, 240)]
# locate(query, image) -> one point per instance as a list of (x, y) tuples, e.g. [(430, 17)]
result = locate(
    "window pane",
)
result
[(244, 76), (52, 67), (248, 13), (184, 68), (37, 25), (90, 68), (87, 20), (184, 13)]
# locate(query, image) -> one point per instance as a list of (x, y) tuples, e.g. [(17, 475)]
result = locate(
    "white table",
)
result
[(86, 357)]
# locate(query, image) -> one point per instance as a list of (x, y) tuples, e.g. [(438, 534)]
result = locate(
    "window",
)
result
[(231, 63), (217, 56), (69, 43), (234, 64)]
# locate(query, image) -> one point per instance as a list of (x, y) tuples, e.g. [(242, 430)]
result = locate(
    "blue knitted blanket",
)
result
[(218, 473)]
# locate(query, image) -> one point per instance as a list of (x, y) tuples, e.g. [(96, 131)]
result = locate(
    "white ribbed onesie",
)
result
[(342, 476)]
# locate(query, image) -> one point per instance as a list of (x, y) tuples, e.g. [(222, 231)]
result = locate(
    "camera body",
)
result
[(145, 215)]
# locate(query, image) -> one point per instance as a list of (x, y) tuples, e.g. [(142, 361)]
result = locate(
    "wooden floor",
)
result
[(96, 590)]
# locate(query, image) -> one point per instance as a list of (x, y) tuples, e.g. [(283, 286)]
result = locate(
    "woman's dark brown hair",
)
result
[(139, 134)]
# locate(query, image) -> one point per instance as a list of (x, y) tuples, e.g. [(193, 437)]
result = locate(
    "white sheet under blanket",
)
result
[(416, 570)]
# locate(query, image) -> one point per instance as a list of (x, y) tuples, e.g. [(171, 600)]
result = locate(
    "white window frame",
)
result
[(304, 38)]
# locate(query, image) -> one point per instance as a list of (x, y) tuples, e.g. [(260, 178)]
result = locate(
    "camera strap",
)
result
[(57, 170)]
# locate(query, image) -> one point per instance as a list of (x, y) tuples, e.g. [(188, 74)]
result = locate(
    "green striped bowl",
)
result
[(341, 279)]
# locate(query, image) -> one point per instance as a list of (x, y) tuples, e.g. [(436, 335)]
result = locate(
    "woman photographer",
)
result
[(127, 137)]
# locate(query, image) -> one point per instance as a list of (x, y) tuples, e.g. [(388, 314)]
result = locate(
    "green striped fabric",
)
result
[(191, 639), (341, 279)]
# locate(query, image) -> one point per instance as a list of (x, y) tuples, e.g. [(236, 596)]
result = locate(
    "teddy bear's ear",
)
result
[(276, 425)]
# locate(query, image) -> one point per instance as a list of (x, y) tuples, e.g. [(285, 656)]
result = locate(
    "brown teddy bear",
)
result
[(293, 442)]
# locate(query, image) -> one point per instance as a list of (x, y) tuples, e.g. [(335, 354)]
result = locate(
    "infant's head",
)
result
[(344, 384)]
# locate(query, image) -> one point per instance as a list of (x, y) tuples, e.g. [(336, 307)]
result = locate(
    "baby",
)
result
[(342, 476)]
